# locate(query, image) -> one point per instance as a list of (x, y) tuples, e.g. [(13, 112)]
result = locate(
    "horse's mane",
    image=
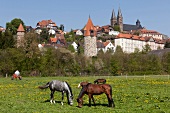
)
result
[(83, 90), (69, 88)]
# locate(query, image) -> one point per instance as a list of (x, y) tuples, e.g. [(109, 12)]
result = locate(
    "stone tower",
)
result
[(90, 33), (138, 23), (120, 19), (20, 35), (113, 20)]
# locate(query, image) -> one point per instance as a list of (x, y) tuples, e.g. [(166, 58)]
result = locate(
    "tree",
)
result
[(136, 33), (80, 49), (71, 48), (7, 40), (44, 35), (121, 59), (116, 28), (32, 52), (146, 48), (167, 45), (70, 37), (13, 25)]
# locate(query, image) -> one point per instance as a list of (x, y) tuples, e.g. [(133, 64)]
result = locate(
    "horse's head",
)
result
[(82, 84), (71, 100), (80, 102)]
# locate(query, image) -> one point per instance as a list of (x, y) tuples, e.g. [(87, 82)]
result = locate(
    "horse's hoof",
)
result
[(79, 106), (62, 103)]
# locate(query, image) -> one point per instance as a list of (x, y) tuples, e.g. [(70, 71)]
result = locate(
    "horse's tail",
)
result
[(45, 86), (112, 104), (110, 90)]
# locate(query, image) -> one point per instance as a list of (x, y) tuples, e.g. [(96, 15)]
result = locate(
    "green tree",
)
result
[(146, 48), (13, 25), (166, 63), (167, 45), (32, 52), (70, 37), (7, 40), (44, 35), (71, 48), (121, 59), (116, 28)]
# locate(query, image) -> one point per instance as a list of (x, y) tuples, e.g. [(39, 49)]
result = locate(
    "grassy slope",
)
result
[(134, 94)]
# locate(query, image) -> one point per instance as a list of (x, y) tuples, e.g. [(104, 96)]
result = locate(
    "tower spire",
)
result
[(113, 14), (119, 13)]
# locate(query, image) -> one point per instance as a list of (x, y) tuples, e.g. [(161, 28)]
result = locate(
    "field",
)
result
[(144, 94)]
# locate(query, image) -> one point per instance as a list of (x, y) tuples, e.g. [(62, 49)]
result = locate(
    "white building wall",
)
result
[(109, 46), (129, 45), (78, 32), (157, 36)]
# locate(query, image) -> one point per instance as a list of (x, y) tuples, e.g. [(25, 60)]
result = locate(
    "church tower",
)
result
[(113, 19), (20, 35), (138, 23), (120, 19), (90, 33)]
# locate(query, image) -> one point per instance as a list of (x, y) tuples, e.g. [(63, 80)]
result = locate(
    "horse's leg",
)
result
[(62, 98), (52, 97), (110, 100), (90, 96), (93, 100)]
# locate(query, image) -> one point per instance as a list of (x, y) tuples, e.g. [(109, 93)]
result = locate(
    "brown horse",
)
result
[(95, 89), (100, 81)]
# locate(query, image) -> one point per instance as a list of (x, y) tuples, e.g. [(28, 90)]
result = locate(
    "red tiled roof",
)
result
[(105, 43), (89, 26), (44, 23), (20, 28), (53, 39), (135, 37), (142, 38), (121, 35), (145, 31)]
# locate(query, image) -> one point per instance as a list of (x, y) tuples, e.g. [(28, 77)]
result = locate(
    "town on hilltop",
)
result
[(93, 38)]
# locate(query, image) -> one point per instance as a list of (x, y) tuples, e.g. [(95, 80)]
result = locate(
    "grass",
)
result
[(149, 94)]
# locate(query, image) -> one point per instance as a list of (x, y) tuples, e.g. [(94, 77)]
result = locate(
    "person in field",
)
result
[(17, 73)]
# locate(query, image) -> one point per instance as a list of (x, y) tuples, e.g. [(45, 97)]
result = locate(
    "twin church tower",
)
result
[(117, 20)]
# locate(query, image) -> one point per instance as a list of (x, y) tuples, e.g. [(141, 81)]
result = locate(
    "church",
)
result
[(119, 21)]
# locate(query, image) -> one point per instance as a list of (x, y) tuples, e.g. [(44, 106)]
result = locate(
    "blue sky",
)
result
[(153, 14)]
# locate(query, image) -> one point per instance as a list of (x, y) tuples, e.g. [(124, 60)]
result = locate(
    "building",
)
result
[(129, 42), (150, 33), (78, 32), (119, 21), (105, 46), (46, 24), (90, 33), (20, 35)]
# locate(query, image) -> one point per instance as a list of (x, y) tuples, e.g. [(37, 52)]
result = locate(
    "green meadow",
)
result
[(135, 94)]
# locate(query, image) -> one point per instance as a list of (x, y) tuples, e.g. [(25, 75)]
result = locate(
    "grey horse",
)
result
[(61, 86)]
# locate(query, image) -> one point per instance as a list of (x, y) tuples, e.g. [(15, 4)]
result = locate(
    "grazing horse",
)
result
[(100, 81), (95, 89), (14, 76), (60, 86)]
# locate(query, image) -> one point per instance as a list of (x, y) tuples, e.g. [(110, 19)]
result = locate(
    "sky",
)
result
[(73, 14)]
